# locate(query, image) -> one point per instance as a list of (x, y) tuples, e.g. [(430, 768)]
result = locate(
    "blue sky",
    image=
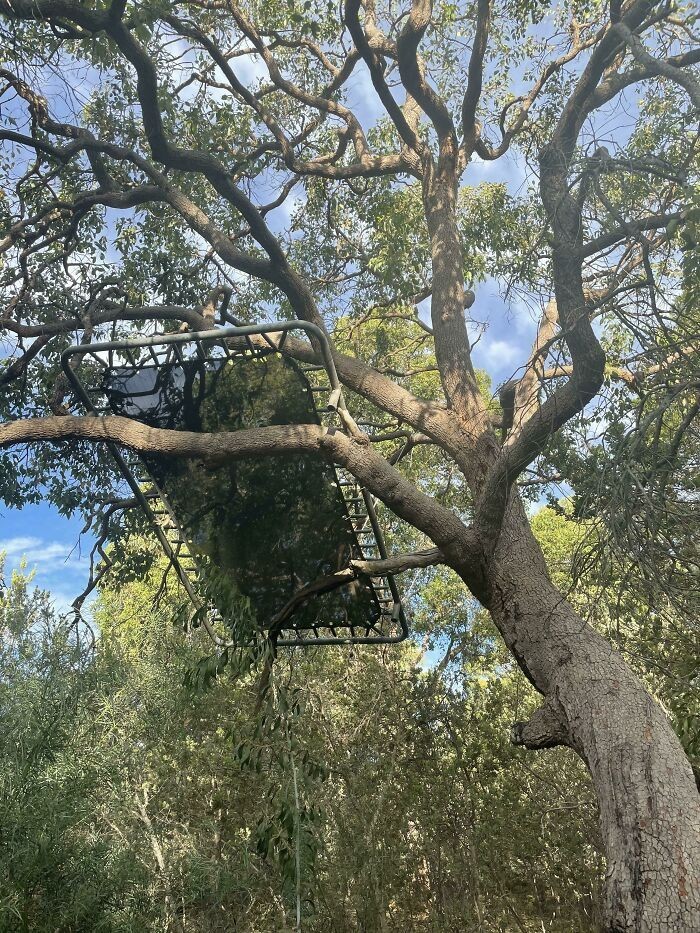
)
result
[(50, 544)]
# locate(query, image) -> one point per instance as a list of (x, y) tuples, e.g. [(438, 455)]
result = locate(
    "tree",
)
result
[(124, 808), (50, 866), (179, 130)]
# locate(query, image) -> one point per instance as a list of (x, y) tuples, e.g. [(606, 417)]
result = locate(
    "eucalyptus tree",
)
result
[(179, 162)]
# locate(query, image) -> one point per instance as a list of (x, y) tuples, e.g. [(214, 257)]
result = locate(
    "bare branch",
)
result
[(664, 68), (399, 563), (636, 225), (412, 72)]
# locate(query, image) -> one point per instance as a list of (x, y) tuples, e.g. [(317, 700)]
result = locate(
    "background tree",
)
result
[(176, 130), (150, 805)]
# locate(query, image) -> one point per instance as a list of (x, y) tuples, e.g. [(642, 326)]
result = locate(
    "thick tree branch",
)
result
[(475, 77), (663, 68), (429, 417), (399, 563), (371, 59), (615, 81), (356, 455), (412, 71), (578, 105)]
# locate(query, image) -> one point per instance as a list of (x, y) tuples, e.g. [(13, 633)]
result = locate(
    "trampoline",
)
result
[(264, 529)]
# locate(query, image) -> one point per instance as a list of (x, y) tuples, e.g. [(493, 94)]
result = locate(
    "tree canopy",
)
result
[(377, 171)]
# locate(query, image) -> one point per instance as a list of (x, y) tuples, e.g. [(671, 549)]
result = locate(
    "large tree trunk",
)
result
[(648, 801)]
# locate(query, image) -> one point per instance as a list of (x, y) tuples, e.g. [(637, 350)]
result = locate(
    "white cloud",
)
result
[(56, 566), (18, 545), (499, 353), (47, 556)]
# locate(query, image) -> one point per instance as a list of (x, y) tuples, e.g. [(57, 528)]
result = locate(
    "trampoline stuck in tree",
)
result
[(277, 534)]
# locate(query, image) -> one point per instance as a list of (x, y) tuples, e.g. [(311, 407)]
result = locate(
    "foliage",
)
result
[(381, 792), (196, 163)]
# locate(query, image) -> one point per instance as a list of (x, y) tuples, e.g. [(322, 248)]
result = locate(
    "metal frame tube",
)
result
[(209, 336)]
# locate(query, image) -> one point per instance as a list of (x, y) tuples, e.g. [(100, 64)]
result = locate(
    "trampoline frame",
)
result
[(364, 524)]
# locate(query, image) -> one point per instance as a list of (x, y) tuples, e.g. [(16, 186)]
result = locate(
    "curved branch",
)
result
[(355, 454), (566, 222), (508, 133), (278, 269), (412, 71), (664, 68), (578, 105), (616, 81), (371, 59), (367, 165), (475, 76), (113, 312)]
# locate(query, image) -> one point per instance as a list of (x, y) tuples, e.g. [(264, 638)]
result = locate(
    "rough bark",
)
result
[(649, 804)]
